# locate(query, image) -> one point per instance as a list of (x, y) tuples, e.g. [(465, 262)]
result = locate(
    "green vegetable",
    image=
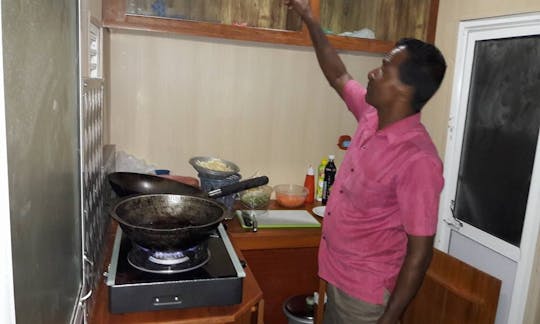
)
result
[(255, 198)]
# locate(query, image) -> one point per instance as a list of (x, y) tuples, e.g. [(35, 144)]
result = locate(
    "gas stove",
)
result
[(155, 282)]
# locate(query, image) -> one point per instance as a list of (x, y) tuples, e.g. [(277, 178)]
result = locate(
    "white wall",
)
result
[(266, 107)]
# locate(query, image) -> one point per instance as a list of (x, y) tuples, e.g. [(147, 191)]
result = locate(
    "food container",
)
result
[(256, 198), (211, 167), (290, 195)]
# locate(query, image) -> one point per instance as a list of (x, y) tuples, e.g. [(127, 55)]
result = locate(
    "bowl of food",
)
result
[(213, 167), (256, 198), (290, 195)]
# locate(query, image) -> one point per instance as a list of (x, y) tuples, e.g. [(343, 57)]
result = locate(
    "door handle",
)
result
[(453, 222)]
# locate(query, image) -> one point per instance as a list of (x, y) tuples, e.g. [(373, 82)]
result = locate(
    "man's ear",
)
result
[(405, 92)]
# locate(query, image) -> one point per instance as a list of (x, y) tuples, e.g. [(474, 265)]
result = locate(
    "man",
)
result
[(381, 216)]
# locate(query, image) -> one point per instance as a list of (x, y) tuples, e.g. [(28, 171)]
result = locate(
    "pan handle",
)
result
[(237, 187)]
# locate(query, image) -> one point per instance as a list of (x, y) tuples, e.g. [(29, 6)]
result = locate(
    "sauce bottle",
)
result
[(309, 183), (329, 176), (320, 179)]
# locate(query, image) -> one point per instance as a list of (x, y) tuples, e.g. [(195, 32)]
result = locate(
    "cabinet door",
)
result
[(377, 19), (271, 14)]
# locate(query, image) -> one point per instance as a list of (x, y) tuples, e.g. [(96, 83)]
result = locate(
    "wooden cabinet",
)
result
[(269, 21), (283, 261)]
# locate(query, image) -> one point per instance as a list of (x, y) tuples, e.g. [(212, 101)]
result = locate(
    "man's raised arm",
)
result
[(331, 64)]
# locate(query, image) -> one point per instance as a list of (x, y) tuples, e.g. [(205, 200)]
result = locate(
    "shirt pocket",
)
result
[(365, 194)]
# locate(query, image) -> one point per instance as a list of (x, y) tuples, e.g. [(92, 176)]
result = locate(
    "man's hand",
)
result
[(302, 7), (411, 276), (333, 68)]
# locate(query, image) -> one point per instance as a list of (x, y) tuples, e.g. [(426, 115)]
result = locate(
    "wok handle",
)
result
[(237, 187)]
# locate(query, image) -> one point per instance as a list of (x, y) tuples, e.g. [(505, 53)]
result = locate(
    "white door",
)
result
[(490, 206)]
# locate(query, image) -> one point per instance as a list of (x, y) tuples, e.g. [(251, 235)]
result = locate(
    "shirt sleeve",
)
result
[(418, 191), (354, 95)]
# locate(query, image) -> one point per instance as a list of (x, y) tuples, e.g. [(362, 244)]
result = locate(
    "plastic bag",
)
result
[(128, 163)]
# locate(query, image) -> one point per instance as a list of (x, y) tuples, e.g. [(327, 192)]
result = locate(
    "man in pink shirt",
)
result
[(381, 216)]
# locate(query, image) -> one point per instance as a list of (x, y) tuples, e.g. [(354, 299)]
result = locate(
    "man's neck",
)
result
[(396, 113)]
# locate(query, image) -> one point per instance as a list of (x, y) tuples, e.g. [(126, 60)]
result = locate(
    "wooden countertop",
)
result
[(266, 238), (251, 298)]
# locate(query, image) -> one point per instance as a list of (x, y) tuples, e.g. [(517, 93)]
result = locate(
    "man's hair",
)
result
[(423, 69)]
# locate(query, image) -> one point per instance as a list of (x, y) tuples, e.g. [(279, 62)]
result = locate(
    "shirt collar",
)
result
[(396, 131)]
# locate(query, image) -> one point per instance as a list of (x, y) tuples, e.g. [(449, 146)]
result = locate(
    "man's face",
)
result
[(384, 80)]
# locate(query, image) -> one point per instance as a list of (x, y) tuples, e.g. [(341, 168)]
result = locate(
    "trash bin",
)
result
[(299, 309)]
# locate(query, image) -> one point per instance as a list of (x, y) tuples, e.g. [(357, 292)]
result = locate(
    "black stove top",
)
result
[(217, 282)]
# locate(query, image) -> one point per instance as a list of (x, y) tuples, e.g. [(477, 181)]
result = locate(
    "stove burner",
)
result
[(168, 258), (168, 262)]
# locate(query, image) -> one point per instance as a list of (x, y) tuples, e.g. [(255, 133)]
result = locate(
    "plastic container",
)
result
[(290, 195), (299, 309), (256, 198), (329, 176), (309, 183), (320, 179)]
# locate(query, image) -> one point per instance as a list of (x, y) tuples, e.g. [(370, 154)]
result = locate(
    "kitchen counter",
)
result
[(274, 238), (284, 261), (250, 310)]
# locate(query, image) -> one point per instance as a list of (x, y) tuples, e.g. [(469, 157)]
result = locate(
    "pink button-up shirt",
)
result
[(387, 186)]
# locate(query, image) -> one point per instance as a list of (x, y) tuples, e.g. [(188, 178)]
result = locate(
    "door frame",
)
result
[(469, 33)]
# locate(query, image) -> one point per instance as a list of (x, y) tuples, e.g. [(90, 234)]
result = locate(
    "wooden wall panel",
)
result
[(417, 314), (454, 293)]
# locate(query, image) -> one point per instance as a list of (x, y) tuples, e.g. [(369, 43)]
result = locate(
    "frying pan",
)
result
[(130, 183), (167, 222)]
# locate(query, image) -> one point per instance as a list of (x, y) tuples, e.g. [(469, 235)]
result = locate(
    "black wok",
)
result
[(129, 183), (166, 222)]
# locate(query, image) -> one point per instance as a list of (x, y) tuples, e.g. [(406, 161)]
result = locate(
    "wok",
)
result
[(167, 222), (129, 183)]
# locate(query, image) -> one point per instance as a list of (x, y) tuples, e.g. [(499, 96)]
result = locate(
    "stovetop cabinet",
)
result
[(249, 311), (270, 22)]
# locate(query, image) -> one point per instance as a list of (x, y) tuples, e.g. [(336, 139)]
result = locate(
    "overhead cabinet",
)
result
[(356, 25)]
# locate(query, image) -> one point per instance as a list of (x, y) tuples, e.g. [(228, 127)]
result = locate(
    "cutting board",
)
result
[(280, 219)]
